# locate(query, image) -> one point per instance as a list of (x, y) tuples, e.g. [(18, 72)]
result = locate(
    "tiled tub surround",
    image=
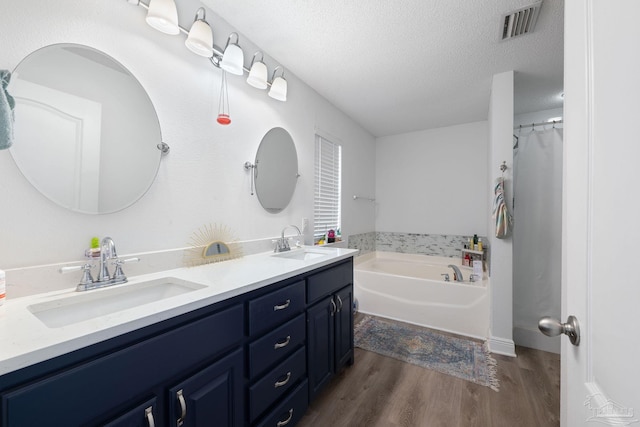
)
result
[(366, 242), (410, 243)]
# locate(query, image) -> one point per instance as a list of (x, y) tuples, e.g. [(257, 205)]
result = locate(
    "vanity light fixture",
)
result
[(200, 38), (233, 57), (278, 86), (163, 16), (258, 72)]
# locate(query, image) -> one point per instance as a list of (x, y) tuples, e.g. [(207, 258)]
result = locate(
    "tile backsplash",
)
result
[(410, 243)]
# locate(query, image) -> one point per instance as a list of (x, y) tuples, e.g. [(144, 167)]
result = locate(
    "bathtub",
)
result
[(410, 288)]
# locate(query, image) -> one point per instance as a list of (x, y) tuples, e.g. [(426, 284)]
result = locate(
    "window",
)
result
[(326, 206)]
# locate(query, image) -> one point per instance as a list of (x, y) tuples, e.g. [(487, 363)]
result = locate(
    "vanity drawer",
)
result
[(276, 383), (290, 411), (329, 281), (276, 307), (274, 346)]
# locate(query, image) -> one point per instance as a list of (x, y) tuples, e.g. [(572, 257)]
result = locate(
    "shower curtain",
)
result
[(537, 229)]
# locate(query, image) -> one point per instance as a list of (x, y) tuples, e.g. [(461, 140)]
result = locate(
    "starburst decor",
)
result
[(212, 243)]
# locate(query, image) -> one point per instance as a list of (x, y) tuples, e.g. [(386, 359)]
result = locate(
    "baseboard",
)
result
[(502, 346), (534, 339)]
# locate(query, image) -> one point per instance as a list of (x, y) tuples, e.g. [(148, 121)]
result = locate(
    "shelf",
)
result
[(471, 251)]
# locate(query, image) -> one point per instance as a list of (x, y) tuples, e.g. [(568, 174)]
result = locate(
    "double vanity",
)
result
[(246, 342)]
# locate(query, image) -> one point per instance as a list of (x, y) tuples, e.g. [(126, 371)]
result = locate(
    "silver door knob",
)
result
[(552, 327)]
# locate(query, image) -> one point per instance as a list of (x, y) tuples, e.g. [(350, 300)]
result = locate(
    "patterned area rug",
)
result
[(458, 357)]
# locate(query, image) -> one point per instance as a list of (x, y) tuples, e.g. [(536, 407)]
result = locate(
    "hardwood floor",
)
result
[(383, 392)]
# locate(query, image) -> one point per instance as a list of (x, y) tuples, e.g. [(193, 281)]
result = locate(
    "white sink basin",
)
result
[(95, 303), (301, 254)]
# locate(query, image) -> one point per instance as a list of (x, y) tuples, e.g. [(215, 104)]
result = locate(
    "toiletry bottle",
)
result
[(480, 244), (475, 242), (3, 287)]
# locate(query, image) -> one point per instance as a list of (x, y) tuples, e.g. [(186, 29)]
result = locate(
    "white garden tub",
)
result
[(410, 288)]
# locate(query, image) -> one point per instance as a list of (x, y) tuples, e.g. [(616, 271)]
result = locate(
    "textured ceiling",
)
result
[(398, 66)]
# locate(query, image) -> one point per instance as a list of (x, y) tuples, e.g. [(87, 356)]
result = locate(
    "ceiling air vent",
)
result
[(521, 21)]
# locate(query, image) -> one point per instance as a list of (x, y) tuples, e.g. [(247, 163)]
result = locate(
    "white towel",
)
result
[(500, 213)]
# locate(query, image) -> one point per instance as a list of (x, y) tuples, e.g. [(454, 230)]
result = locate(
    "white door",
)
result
[(601, 213)]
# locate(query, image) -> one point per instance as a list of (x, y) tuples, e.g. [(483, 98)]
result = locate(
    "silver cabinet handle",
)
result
[(148, 414), (340, 301), (283, 382), (283, 306), (334, 307), (183, 408), (285, 422), (283, 343)]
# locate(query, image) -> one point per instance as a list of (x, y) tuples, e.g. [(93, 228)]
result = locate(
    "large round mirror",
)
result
[(86, 132), (276, 170)]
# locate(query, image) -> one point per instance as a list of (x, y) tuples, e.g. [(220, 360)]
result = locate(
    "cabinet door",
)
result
[(320, 344), (344, 327), (145, 415), (213, 396)]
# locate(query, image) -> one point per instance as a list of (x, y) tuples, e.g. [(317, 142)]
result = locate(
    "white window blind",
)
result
[(326, 207)]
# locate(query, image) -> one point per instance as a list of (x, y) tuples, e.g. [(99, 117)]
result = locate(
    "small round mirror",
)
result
[(86, 132), (276, 170)]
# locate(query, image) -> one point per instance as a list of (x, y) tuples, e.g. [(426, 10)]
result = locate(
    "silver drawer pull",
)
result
[(283, 382), (183, 408), (285, 422), (148, 413), (340, 301), (334, 307), (283, 343), (283, 306)]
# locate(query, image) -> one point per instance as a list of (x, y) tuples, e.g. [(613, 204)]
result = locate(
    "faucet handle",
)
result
[(86, 272), (118, 274)]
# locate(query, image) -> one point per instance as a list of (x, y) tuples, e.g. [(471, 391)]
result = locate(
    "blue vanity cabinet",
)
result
[(329, 324), (108, 388), (277, 351), (143, 415), (256, 359), (213, 396)]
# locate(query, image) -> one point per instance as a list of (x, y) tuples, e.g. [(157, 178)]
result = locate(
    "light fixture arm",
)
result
[(254, 58), (229, 39), (275, 70), (204, 15)]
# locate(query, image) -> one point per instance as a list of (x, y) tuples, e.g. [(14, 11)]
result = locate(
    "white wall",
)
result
[(202, 180), (501, 149), (434, 181)]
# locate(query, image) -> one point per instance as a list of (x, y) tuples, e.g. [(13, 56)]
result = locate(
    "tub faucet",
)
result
[(282, 244), (457, 275)]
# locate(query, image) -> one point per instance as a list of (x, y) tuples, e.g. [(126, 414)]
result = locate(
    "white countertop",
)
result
[(25, 340)]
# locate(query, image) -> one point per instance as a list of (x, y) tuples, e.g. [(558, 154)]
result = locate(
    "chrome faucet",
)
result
[(107, 252), (457, 275), (282, 244)]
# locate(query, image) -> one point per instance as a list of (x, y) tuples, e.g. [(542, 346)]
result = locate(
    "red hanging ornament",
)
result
[(223, 105)]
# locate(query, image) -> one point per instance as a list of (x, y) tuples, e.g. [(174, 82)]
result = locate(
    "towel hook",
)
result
[(503, 166)]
